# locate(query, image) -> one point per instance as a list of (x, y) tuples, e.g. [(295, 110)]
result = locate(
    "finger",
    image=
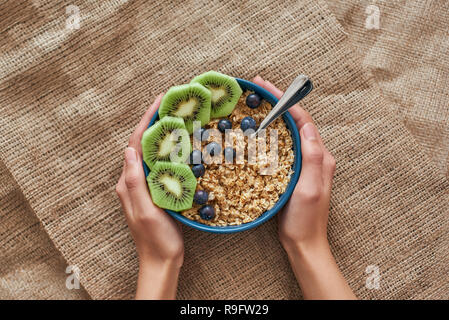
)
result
[(259, 81), (134, 141), (302, 117), (122, 193), (143, 124), (135, 183), (311, 179), (268, 86), (299, 115)]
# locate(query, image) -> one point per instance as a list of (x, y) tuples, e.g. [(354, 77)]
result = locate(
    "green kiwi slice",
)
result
[(172, 185), (190, 102), (160, 140), (225, 92)]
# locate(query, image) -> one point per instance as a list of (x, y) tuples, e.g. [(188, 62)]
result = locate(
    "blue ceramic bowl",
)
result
[(247, 85)]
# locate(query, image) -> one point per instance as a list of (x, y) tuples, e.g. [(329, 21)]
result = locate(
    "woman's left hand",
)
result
[(158, 238)]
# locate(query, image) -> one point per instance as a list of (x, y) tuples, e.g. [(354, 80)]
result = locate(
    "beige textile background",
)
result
[(409, 59), (31, 267), (69, 100)]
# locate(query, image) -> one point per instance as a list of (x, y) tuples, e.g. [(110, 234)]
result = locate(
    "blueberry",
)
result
[(213, 148), (224, 124), (200, 197), (198, 170), (248, 123), (207, 212), (201, 134), (196, 157), (253, 100), (229, 154)]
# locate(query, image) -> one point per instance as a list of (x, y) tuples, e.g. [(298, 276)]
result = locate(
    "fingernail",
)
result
[(130, 155), (310, 132)]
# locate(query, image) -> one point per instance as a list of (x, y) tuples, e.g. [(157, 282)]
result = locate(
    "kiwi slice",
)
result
[(172, 185), (225, 92), (188, 101), (160, 140)]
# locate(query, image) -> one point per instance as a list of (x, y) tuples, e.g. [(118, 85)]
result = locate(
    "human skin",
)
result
[(158, 238), (302, 222)]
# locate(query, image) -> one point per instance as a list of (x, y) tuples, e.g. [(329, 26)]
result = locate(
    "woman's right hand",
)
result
[(303, 221)]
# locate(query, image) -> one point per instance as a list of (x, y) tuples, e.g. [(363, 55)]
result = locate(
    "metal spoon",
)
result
[(299, 88)]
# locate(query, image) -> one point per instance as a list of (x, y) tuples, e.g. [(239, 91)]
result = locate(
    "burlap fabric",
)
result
[(70, 98), (408, 57), (31, 267)]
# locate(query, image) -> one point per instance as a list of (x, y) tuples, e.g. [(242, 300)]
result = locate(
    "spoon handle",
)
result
[(299, 88)]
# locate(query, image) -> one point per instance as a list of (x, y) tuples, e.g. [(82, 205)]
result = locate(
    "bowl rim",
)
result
[(283, 198)]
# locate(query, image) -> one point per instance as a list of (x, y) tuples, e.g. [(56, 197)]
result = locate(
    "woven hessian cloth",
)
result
[(408, 57), (69, 99)]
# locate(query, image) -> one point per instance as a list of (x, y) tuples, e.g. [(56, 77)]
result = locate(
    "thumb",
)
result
[(135, 181), (311, 179)]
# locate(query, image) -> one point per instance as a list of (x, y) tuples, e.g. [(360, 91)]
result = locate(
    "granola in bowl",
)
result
[(239, 192), (205, 166)]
